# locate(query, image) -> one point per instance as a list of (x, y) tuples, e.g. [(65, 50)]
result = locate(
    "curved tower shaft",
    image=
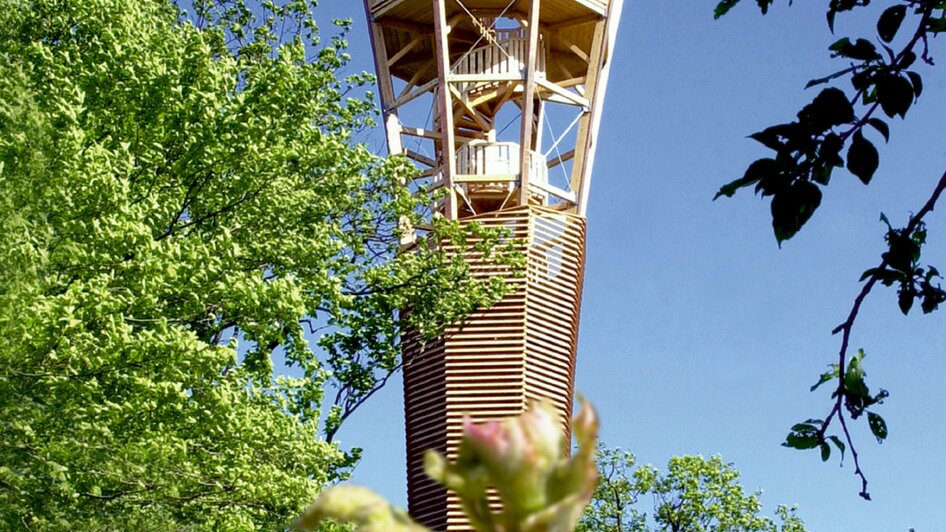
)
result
[(498, 102)]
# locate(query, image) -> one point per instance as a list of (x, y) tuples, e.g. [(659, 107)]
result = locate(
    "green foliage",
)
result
[(181, 197), (696, 494), (883, 79)]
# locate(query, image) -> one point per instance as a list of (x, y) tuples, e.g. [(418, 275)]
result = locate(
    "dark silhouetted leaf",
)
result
[(830, 150), (819, 81), (902, 252), (861, 49), (756, 171), (825, 451), (917, 82), (885, 276), (830, 108), (905, 296), (908, 59), (881, 127), (862, 158), (889, 22), (877, 426), (936, 25), (895, 94), (792, 207), (768, 138)]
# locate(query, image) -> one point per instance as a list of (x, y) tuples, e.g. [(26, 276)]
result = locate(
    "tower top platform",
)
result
[(569, 26), (552, 11)]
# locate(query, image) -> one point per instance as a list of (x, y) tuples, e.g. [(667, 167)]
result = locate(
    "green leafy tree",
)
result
[(182, 210), (696, 494), (840, 128)]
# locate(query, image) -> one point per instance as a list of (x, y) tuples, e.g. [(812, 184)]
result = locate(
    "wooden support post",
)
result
[(583, 137), (448, 153), (392, 124), (528, 102), (597, 102)]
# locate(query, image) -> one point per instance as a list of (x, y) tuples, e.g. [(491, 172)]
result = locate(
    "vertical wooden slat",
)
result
[(528, 101), (445, 103)]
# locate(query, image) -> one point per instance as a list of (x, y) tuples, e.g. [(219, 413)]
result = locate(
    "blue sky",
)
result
[(699, 335)]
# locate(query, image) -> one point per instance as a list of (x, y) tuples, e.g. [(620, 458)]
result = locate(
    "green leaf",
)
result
[(723, 7), (862, 158), (889, 22), (877, 426), (839, 444), (825, 451), (801, 441), (826, 377)]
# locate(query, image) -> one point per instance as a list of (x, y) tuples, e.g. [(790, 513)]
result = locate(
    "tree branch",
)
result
[(847, 326)]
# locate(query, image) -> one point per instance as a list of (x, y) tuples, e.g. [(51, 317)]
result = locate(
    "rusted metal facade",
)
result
[(466, 65)]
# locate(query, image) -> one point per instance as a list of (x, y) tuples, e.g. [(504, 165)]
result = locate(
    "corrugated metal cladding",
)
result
[(521, 349)]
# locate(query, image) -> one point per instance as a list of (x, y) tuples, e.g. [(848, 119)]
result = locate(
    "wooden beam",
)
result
[(561, 159), (483, 78), (407, 48), (572, 47), (420, 91), (392, 124), (569, 97), (422, 159), (448, 159), (419, 73), (471, 111), (528, 101), (577, 21), (583, 137), (477, 178), (405, 25), (597, 99), (434, 135)]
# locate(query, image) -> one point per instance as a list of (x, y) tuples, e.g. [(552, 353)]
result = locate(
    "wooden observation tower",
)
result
[(498, 102)]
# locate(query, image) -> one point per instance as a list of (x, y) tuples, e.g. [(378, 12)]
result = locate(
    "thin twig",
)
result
[(847, 326)]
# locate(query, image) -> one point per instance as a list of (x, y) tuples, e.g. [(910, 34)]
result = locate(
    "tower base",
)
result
[(519, 350)]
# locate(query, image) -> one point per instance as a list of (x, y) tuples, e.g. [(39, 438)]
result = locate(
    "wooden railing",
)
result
[(498, 159), (505, 58)]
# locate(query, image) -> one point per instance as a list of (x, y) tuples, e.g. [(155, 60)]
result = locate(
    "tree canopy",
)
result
[(695, 494), (182, 210)]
